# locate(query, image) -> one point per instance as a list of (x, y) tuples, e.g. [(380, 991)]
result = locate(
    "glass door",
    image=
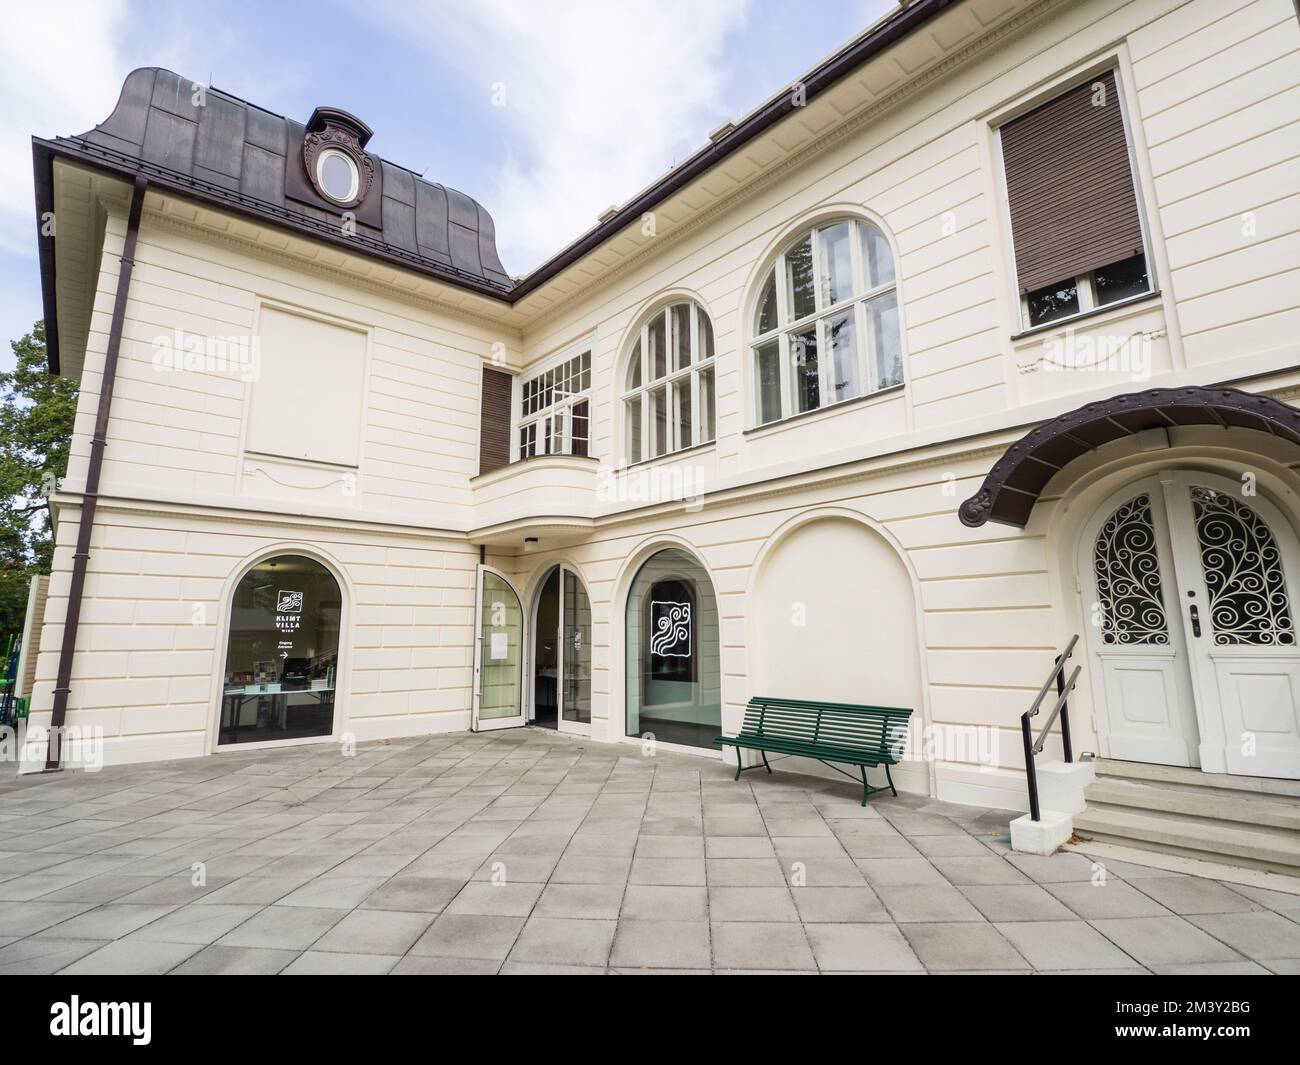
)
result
[(560, 664), (498, 654), (575, 654)]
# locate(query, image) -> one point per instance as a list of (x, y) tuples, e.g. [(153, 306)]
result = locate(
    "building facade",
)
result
[(981, 337)]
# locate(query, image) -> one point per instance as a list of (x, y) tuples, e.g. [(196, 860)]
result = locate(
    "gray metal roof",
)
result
[(222, 144)]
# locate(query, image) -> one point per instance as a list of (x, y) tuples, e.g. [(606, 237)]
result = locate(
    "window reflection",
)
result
[(282, 653), (828, 330), (674, 675)]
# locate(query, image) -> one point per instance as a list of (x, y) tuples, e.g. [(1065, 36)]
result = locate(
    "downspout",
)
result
[(93, 469)]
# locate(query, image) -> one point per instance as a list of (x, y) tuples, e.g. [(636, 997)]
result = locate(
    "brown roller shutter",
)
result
[(1070, 186), (494, 421)]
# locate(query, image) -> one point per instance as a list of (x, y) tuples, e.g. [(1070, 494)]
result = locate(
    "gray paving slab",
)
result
[(525, 851)]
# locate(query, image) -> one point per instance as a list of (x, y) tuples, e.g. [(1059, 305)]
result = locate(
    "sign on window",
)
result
[(670, 627)]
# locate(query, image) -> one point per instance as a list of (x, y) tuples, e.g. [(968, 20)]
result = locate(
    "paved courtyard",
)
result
[(528, 852)]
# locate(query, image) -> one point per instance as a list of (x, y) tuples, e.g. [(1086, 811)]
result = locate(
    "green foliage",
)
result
[(36, 415)]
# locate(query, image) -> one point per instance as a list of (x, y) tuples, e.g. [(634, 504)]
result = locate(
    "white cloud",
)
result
[(59, 72), (598, 99)]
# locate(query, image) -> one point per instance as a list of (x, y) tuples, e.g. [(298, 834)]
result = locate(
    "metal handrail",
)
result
[(1060, 709)]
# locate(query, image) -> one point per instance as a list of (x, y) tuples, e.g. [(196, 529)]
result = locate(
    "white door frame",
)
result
[(518, 720), (573, 728)]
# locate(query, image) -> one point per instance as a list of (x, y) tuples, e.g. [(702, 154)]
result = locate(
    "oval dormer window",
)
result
[(337, 175)]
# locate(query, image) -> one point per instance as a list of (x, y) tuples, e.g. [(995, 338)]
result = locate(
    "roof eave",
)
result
[(43, 173), (880, 37)]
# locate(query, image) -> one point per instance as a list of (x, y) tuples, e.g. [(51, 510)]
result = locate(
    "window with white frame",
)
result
[(555, 409), (1088, 291), (669, 387), (826, 325)]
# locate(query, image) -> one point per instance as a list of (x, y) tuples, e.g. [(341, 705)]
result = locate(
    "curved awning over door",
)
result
[(1012, 486)]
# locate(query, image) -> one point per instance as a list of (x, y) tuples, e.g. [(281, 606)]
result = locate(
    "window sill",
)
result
[(1084, 316), (660, 459), (857, 401)]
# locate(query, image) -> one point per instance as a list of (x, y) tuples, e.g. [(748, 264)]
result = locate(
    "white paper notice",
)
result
[(500, 646)]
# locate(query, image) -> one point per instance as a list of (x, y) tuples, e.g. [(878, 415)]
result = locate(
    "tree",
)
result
[(36, 415)]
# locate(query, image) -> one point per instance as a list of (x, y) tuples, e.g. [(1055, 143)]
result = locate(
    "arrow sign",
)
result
[(284, 654)]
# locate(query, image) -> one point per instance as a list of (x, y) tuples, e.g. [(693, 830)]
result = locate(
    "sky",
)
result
[(545, 111)]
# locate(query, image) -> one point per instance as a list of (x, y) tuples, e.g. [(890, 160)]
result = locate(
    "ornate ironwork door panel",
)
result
[(1238, 561), (1145, 706)]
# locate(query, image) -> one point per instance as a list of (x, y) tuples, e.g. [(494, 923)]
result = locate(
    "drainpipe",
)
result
[(93, 469)]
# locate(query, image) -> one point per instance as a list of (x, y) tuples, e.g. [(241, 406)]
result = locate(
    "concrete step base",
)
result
[(1275, 850), (1251, 822), (1175, 774), (1216, 804)]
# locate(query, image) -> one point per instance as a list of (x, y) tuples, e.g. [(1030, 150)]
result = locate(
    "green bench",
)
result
[(829, 732)]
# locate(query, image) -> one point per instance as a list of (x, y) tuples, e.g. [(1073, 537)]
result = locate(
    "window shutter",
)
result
[(494, 420), (37, 595), (1070, 186)]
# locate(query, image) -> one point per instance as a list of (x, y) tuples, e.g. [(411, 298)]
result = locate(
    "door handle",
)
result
[(1196, 620)]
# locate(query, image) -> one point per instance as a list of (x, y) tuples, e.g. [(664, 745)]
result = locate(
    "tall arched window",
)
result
[(674, 664), (826, 324), (669, 387), (282, 655)]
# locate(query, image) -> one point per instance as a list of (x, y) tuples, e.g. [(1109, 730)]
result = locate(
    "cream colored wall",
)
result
[(183, 435), (185, 507), (151, 643), (833, 617), (1218, 89), (982, 643)]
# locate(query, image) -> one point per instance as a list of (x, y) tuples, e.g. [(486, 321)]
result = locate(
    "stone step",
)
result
[(1218, 804), (1173, 774), (1275, 849)]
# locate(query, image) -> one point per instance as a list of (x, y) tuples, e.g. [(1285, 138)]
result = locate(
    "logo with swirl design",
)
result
[(670, 625)]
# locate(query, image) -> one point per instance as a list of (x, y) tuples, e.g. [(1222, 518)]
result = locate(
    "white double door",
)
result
[(505, 666), (1189, 583)]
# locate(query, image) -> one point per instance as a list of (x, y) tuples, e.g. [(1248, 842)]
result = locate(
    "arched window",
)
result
[(282, 654), (668, 390), (674, 664), (826, 324)]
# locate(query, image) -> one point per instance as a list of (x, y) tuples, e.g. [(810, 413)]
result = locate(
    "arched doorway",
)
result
[(561, 653), (1189, 584), (282, 653), (674, 666)]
